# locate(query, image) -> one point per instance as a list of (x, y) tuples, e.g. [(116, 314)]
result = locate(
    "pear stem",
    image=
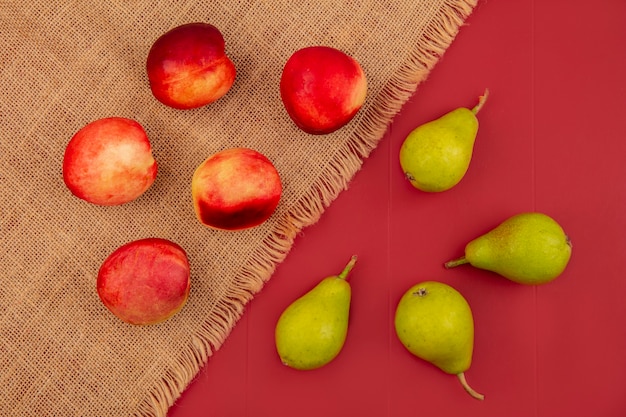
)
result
[(455, 262), (481, 101), (348, 268), (469, 389)]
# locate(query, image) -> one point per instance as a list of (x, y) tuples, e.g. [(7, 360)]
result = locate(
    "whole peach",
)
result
[(145, 281), (109, 162), (322, 88), (188, 68), (235, 189)]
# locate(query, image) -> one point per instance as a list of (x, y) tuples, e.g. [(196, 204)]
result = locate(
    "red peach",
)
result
[(145, 281), (109, 162), (235, 189), (187, 66), (322, 88)]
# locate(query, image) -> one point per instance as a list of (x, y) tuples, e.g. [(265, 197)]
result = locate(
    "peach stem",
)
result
[(456, 262), (469, 389), (481, 101), (348, 268)]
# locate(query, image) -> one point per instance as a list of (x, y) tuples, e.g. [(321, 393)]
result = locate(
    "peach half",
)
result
[(322, 89), (188, 67), (109, 162), (235, 189), (145, 281)]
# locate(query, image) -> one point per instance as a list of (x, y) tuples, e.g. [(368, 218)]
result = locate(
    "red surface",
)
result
[(551, 139)]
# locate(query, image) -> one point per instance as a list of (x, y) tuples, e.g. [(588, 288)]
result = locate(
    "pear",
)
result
[(436, 155), (435, 323), (312, 330), (527, 248)]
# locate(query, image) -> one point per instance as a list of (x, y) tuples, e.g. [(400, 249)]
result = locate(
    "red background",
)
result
[(551, 139)]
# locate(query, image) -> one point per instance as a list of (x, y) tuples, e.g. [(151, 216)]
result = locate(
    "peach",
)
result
[(235, 189), (188, 68), (145, 281), (322, 88), (109, 162)]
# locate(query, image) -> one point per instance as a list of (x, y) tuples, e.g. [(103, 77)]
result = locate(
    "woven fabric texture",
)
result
[(64, 64)]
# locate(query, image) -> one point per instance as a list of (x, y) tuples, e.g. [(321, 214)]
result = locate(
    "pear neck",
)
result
[(344, 274)]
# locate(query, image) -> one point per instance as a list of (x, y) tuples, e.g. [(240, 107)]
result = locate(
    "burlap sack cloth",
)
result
[(66, 63)]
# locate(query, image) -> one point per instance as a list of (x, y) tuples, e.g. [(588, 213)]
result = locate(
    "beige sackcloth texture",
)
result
[(66, 63)]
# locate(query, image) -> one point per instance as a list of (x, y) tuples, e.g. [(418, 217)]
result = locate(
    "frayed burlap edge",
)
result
[(438, 35)]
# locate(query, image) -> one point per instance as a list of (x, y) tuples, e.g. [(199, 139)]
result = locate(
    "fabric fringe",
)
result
[(348, 160)]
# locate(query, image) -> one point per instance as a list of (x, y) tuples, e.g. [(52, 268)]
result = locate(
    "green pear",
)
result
[(436, 155), (312, 330), (528, 248), (435, 323)]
